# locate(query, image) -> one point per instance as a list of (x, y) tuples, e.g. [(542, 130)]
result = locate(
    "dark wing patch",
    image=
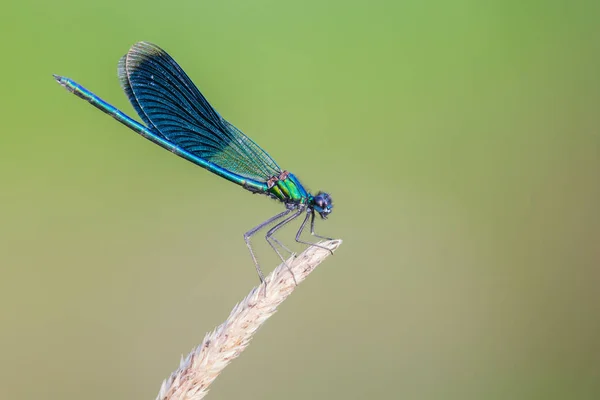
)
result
[(166, 99)]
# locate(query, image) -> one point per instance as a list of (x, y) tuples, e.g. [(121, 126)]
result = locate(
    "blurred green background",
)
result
[(460, 142)]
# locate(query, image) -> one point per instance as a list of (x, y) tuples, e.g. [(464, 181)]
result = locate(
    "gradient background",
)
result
[(460, 141)]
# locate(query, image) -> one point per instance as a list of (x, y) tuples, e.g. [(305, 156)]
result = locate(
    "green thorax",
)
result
[(288, 189)]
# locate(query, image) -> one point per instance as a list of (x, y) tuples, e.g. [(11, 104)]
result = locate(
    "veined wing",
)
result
[(167, 100)]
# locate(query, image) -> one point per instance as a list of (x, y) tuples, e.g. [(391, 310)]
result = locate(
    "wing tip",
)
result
[(145, 48)]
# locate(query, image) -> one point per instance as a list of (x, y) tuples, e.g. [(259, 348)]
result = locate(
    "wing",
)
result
[(167, 100)]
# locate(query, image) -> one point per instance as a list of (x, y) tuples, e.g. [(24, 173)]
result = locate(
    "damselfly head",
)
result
[(323, 204)]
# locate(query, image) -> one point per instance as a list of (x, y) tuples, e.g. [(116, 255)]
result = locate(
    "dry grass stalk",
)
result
[(202, 366)]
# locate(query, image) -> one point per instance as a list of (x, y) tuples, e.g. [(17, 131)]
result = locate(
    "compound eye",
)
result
[(320, 202)]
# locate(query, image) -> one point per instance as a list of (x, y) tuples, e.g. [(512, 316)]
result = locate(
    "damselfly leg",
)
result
[(274, 229), (257, 228), (312, 228), (311, 214)]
